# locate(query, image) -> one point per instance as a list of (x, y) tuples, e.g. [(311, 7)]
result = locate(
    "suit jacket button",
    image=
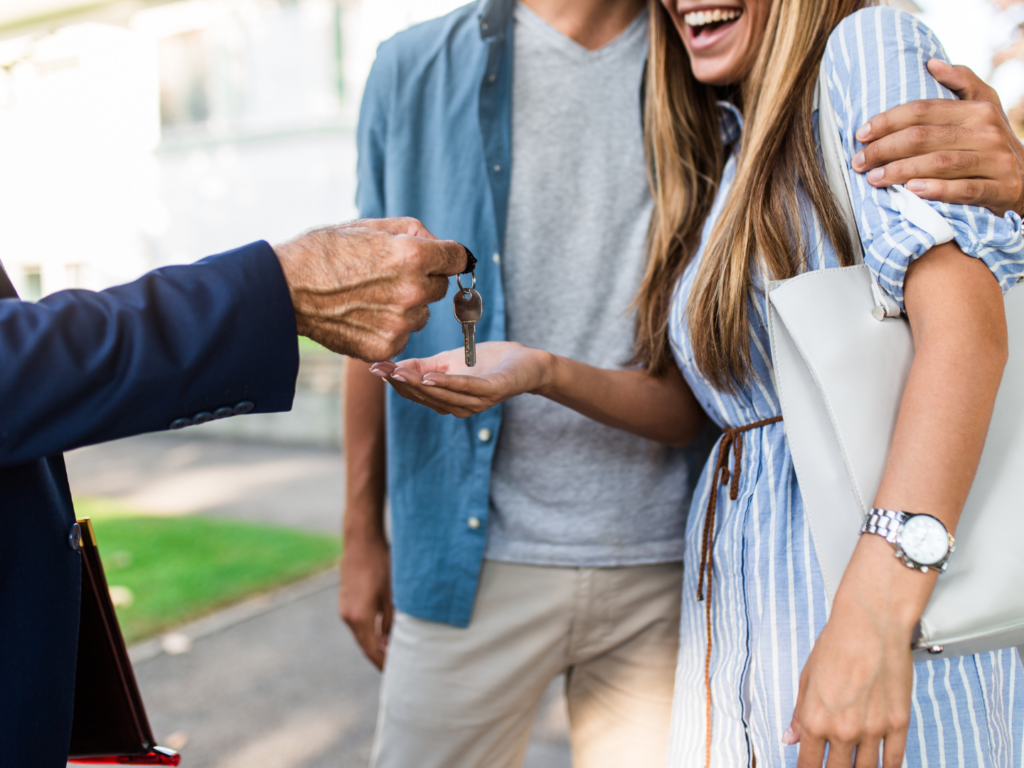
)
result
[(223, 413), (75, 537), (244, 407), (181, 423), (202, 417)]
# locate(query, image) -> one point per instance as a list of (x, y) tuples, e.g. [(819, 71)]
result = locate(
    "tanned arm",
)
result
[(660, 408), (364, 599), (855, 689)]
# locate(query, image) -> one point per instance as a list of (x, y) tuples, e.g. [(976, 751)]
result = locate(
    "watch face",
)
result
[(924, 540)]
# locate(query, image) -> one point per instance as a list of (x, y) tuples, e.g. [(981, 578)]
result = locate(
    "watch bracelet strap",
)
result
[(885, 523)]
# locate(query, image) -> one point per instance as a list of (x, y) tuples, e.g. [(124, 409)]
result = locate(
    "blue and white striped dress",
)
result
[(769, 598)]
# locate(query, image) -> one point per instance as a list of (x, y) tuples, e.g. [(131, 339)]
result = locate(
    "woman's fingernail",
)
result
[(916, 185), (858, 160), (876, 175), (378, 372), (396, 377), (864, 132), (789, 738), (429, 383)]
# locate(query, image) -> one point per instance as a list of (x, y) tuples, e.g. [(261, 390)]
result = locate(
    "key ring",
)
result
[(464, 289)]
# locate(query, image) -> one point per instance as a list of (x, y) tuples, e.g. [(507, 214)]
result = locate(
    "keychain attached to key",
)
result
[(468, 308)]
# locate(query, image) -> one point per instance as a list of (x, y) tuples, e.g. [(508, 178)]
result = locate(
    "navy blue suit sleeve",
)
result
[(82, 367), (371, 138)]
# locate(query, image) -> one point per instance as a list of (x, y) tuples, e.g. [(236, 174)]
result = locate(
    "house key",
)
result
[(469, 307)]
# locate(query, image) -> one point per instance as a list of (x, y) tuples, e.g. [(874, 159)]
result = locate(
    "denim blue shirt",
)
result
[(434, 143)]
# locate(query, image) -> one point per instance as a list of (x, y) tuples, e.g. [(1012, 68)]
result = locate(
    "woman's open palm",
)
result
[(447, 385)]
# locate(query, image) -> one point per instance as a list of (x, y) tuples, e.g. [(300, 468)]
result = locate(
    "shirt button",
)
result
[(180, 423), (483, 25), (492, 78), (496, 258), (497, 169), (474, 523), (75, 537), (484, 434)]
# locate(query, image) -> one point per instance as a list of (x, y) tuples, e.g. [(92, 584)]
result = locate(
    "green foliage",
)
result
[(179, 568), (309, 347)]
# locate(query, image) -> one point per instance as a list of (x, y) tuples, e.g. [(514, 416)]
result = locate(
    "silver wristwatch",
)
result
[(921, 541)]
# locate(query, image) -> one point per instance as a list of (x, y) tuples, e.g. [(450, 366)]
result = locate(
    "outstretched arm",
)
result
[(200, 340), (662, 408), (185, 344)]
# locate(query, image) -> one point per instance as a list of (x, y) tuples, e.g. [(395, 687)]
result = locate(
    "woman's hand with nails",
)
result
[(444, 384)]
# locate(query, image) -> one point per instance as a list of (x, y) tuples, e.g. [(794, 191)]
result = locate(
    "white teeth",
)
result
[(703, 18)]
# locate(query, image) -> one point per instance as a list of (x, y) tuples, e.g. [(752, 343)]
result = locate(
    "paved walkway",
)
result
[(275, 682), (171, 474)]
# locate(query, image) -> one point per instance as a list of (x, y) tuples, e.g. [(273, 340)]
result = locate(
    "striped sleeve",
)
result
[(876, 60)]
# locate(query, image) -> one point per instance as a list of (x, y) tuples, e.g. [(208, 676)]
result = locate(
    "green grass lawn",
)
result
[(179, 568), (308, 346)]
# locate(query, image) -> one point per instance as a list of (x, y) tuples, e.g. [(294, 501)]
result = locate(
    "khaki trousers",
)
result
[(466, 698)]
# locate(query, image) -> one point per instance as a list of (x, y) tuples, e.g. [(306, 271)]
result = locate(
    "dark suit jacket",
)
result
[(180, 345)]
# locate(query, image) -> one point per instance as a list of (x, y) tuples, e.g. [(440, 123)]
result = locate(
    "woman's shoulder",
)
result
[(877, 59), (880, 38)]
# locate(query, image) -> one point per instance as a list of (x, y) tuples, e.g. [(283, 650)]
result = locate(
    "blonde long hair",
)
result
[(759, 226)]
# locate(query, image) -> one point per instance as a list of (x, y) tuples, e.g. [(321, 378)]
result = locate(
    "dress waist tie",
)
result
[(732, 437)]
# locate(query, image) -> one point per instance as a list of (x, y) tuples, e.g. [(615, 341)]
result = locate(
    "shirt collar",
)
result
[(731, 122), (494, 15)]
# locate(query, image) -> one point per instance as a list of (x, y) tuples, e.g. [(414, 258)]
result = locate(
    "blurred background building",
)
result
[(1008, 60), (138, 133)]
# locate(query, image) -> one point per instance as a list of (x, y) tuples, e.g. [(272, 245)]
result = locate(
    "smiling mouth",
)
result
[(709, 21)]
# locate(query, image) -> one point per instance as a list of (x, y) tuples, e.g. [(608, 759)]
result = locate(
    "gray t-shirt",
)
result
[(566, 490)]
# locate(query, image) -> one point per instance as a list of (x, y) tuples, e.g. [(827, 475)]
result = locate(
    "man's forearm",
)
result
[(365, 458)]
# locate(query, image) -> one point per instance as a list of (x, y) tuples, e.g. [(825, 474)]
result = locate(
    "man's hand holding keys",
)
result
[(361, 288)]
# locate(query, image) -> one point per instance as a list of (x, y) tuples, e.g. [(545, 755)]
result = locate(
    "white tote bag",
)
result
[(840, 374)]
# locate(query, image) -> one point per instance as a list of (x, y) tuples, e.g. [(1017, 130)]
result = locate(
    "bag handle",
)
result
[(842, 190)]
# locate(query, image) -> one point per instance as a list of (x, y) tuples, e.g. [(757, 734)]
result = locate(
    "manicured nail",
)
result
[(396, 377), (789, 738), (917, 186), (429, 383), (379, 372), (859, 160), (864, 132), (876, 175)]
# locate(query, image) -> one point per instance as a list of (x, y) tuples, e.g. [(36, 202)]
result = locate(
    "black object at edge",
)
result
[(6, 286), (110, 719), (470, 261)]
